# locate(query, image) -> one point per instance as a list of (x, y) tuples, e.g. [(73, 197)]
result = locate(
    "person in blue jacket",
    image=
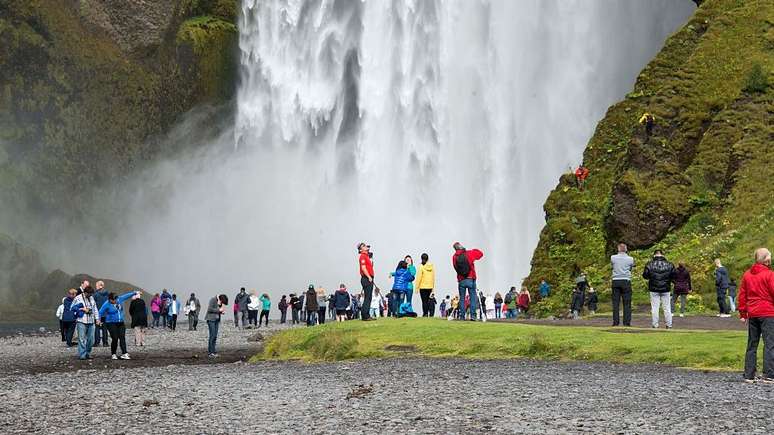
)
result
[(173, 310), (545, 289), (410, 286), (100, 332), (68, 317), (402, 278), (113, 313)]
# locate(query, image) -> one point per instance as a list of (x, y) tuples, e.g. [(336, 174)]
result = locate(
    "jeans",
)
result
[(85, 339), (156, 319), (311, 318), (374, 312), (264, 315), (622, 290), (193, 320), (101, 333), (284, 315), (731, 304), (212, 326), (757, 326), (295, 316), (665, 301), (117, 335), (721, 294), (320, 315), (424, 293), (683, 303), (468, 284), (69, 330), (409, 294), (498, 311), (511, 313), (368, 292)]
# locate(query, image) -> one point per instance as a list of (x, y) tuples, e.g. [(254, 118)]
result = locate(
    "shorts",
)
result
[(341, 312)]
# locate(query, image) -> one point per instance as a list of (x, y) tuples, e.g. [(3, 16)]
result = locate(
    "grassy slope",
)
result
[(440, 338), (701, 187)]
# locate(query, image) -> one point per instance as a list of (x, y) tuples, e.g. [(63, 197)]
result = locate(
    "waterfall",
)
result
[(409, 124)]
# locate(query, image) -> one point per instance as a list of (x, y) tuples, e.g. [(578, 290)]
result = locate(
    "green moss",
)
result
[(706, 166), (212, 42)]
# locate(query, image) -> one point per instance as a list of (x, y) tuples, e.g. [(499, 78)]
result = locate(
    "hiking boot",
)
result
[(125, 356), (767, 380), (113, 356)]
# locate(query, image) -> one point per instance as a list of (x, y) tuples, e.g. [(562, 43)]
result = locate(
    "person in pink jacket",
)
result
[(156, 310)]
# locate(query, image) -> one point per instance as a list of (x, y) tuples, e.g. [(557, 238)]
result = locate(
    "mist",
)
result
[(409, 125)]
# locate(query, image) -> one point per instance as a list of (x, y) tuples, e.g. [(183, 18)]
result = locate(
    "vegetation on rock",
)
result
[(700, 186)]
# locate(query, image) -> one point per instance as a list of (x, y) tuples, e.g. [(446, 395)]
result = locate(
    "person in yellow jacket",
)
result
[(648, 120), (425, 281)]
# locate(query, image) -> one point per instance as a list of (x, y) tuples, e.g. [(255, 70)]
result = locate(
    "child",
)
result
[(443, 307), (524, 300), (592, 304), (576, 306)]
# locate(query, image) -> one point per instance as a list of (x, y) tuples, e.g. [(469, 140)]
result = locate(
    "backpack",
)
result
[(462, 265), (508, 298)]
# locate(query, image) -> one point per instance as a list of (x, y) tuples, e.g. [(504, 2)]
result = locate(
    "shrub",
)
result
[(757, 80)]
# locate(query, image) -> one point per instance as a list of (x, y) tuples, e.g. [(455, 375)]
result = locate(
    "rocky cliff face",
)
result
[(700, 186), (88, 86)]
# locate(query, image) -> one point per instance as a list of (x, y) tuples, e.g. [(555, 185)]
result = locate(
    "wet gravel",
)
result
[(399, 395)]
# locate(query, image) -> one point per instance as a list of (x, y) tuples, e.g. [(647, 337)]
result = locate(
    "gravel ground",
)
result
[(398, 395), (47, 353)]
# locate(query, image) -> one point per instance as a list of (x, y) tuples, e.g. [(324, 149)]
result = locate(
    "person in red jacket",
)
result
[(756, 307), (580, 176), (463, 263)]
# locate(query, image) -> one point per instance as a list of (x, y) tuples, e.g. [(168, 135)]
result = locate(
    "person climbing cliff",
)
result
[(649, 121), (580, 176)]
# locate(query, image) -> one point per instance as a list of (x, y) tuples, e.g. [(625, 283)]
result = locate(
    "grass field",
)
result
[(710, 350)]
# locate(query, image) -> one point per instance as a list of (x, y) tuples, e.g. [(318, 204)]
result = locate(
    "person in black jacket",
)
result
[(592, 301), (660, 274), (683, 286), (295, 307)]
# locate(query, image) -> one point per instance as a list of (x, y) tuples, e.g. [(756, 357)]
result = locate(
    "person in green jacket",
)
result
[(265, 307), (413, 271)]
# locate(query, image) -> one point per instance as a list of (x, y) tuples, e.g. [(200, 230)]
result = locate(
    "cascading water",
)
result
[(409, 124)]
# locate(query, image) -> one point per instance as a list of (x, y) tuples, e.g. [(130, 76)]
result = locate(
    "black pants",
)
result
[(252, 317), (722, 306), (622, 290), (173, 323), (757, 326), (321, 315), (424, 293), (264, 314), (432, 309), (62, 330), (69, 330), (118, 335), (295, 316), (368, 291)]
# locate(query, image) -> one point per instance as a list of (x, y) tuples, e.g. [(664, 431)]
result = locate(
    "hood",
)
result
[(758, 268), (428, 266)]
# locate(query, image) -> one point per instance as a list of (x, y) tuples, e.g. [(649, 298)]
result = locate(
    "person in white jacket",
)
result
[(59, 313), (253, 306), (376, 302)]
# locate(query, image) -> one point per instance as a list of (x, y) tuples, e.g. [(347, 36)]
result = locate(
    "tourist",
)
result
[(593, 301), (649, 121), (756, 307), (253, 305), (282, 306), (193, 308), (241, 301), (621, 279), (660, 273), (426, 283), (215, 309), (113, 313), (580, 176), (410, 285), (236, 315), (402, 278), (174, 309), (576, 303), (722, 281), (302, 301), (545, 289), (311, 306), (366, 269), (376, 302), (510, 303), (322, 305), (482, 306), (87, 316), (156, 310), (165, 299), (498, 304), (68, 317), (682, 286), (100, 332), (265, 308), (139, 315), (467, 306), (731, 295), (341, 303), (332, 308), (464, 264), (444, 304), (85, 283), (295, 308), (431, 303), (406, 310), (59, 312), (454, 312), (357, 305), (523, 301)]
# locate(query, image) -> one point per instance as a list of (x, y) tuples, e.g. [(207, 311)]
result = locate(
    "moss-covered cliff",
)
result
[(87, 87), (701, 186)]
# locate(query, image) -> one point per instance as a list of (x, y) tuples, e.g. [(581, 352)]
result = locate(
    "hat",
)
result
[(458, 245), (311, 286)]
